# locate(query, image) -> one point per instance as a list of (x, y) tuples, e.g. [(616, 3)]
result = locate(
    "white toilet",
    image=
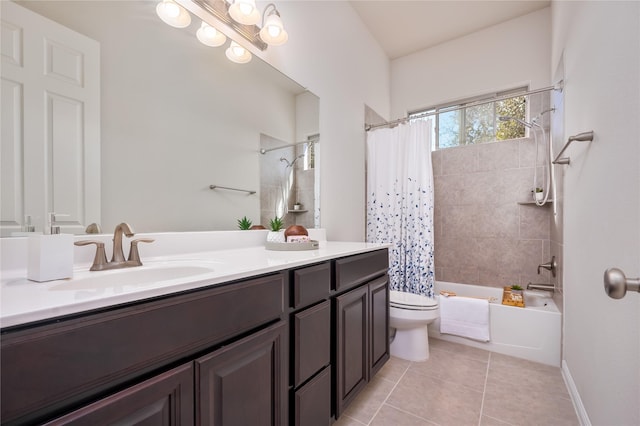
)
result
[(410, 314)]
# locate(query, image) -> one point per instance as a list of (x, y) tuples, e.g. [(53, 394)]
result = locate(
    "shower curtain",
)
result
[(400, 202)]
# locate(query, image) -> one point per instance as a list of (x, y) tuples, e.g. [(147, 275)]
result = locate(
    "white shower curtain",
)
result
[(400, 202)]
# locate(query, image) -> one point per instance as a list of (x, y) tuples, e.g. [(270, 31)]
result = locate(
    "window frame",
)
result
[(462, 105)]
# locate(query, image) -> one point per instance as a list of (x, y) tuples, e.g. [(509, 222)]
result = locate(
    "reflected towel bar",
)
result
[(231, 189), (580, 137)]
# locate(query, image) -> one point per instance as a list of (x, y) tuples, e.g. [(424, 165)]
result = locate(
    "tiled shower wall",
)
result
[(483, 235)]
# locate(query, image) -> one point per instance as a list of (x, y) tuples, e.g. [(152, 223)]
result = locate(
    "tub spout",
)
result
[(546, 287)]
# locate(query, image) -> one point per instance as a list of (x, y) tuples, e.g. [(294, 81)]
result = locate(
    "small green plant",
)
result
[(516, 287), (276, 224), (539, 190), (244, 223)]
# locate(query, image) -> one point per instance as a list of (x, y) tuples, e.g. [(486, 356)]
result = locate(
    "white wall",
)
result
[(332, 54), (504, 56), (600, 43)]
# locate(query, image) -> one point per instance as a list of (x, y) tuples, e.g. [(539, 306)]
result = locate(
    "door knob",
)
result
[(616, 283)]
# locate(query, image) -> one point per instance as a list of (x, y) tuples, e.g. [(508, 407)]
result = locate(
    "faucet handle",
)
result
[(100, 259), (134, 254)]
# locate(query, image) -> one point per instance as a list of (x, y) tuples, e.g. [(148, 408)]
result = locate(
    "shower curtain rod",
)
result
[(368, 127), (312, 139)]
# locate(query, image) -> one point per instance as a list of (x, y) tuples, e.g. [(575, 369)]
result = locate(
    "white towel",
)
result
[(466, 317)]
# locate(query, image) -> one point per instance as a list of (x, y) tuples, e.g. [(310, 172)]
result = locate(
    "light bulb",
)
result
[(273, 32), (244, 12), (209, 36), (237, 53), (238, 50), (246, 8), (173, 14), (171, 9)]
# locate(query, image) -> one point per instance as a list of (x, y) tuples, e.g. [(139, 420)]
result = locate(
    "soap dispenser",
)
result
[(50, 255)]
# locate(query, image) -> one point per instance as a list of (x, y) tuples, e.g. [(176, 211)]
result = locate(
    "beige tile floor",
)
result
[(461, 385)]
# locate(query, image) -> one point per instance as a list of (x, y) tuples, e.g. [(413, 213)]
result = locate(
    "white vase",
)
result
[(276, 236)]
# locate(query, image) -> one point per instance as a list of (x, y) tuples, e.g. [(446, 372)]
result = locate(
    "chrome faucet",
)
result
[(100, 262), (549, 266)]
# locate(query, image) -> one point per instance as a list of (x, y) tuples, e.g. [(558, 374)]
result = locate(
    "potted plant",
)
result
[(244, 224), (297, 206), (538, 194), (276, 233)]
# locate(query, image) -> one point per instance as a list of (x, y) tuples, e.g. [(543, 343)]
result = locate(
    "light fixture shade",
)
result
[(244, 12), (209, 36), (238, 54), (273, 32), (173, 14)]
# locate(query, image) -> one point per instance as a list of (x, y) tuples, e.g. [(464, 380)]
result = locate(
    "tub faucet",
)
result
[(549, 266), (546, 287)]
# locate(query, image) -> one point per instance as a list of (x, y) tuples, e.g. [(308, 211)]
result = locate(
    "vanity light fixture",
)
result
[(173, 14), (238, 54), (209, 36), (244, 12), (240, 16), (272, 31)]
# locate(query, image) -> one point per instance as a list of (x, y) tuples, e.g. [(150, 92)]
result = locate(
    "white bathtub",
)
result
[(532, 333)]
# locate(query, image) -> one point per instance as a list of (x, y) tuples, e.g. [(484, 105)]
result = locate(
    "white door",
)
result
[(50, 151)]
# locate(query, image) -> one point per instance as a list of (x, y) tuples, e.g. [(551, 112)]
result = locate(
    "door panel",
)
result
[(59, 71)]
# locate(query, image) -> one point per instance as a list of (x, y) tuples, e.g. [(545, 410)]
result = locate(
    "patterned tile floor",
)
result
[(461, 385)]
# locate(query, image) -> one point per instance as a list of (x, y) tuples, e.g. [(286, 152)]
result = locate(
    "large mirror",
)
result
[(175, 118)]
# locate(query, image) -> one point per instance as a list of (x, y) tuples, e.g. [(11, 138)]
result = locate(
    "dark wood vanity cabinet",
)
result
[(289, 348), (68, 364), (362, 324)]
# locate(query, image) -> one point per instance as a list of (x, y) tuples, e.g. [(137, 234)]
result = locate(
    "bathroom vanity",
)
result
[(290, 340)]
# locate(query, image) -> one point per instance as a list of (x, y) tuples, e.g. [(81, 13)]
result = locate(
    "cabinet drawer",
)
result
[(311, 341), (51, 367), (313, 401), (355, 270), (311, 284)]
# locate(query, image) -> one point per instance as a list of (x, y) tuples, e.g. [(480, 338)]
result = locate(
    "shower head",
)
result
[(291, 163), (508, 118)]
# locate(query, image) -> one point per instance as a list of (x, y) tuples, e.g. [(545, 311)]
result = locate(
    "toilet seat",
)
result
[(412, 302)]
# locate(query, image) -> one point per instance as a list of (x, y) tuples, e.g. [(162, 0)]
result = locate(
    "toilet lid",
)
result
[(400, 299)]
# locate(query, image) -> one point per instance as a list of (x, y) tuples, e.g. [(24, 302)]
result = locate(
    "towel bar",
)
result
[(580, 137), (231, 189)]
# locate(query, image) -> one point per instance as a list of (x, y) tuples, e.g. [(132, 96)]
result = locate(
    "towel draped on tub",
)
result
[(466, 317)]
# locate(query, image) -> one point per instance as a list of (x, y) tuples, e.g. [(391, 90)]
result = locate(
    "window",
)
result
[(457, 124)]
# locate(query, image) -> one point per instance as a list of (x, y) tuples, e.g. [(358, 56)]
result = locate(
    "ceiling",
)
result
[(404, 27)]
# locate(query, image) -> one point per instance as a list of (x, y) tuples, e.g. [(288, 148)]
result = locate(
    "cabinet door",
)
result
[(244, 383), (166, 399), (311, 341), (351, 345), (378, 324)]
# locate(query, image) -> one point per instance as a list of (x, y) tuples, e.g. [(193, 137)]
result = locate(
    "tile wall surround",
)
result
[(482, 235)]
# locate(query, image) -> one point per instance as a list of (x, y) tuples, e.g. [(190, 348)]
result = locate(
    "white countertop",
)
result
[(23, 301)]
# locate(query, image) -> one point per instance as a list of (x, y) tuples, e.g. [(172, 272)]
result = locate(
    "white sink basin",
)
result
[(138, 276)]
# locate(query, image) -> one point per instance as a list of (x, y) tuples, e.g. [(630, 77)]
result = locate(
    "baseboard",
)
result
[(583, 417)]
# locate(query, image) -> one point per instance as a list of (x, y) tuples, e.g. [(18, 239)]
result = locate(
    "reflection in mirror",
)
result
[(174, 117), (288, 182)]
